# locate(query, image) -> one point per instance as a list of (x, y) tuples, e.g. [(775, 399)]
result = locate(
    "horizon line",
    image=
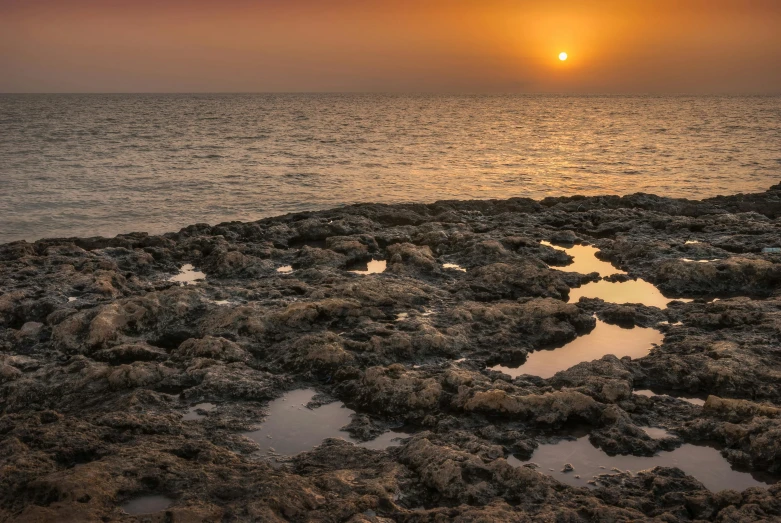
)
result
[(401, 93)]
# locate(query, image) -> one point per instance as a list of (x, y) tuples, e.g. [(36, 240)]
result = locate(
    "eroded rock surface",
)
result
[(101, 357)]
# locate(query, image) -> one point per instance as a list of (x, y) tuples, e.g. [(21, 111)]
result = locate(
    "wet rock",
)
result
[(395, 390), (738, 410), (322, 351), (564, 236), (101, 356), (522, 279), (735, 275), (10, 305), (356, 248), (309, 257), (233, 381), (533, 323), (407, 257), (162, 316), (31, 330), (211, 347), (235, 264), (553, 408), (629, 315), (459, 475), (134, 375), (129, 353), (9, 373)]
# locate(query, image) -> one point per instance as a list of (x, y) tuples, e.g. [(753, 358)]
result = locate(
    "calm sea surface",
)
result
[(105, 164)]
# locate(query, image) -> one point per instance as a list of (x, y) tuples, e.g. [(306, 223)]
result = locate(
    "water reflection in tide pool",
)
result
[(632, 291), (372, 267), (188, 275), (291, 428), (688, 399), (711, 260), (146, 505), (385, 440), (706, 464), (585, 261), (605, 339), (453, 266)]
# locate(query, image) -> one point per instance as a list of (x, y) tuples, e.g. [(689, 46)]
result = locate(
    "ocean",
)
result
[(86, 165)]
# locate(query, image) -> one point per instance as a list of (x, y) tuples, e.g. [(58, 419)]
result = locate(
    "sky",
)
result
[(626, 46)]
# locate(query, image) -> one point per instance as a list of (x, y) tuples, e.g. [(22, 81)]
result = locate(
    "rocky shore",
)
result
[(103, 357)]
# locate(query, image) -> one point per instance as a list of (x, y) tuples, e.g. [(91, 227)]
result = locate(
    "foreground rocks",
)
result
[(101, 356)]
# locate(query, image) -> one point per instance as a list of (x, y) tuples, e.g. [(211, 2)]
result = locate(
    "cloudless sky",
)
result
[(614, 46)]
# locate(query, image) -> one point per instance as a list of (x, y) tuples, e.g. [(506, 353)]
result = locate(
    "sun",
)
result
[(562, 56)]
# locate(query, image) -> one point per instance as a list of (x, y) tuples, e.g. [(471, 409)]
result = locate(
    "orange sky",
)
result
[(687, 46)]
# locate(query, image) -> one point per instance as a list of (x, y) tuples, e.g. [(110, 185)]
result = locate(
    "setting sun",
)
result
[(562, 56)]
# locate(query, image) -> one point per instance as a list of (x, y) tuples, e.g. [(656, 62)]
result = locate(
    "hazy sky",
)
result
[(614, 46)]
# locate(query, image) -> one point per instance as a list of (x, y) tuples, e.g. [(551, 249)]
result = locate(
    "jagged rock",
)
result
[(210, 347), (108, 369), (738, 410), (734, 275), (552, 408)]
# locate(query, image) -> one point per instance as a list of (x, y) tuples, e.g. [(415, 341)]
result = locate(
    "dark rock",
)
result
[(101, 355)]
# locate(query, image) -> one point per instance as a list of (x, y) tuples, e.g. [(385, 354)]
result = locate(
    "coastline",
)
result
[(102, 357)]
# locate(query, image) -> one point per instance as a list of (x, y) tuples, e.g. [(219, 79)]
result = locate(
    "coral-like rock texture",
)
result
[(102, 356)]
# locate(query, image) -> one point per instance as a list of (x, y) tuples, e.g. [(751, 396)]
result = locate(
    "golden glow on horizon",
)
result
[(345, 45), (562, 56)]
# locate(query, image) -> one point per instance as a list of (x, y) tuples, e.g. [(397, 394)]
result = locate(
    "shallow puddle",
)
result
[(373, 267), (689, 399), (605, 339), (188, 275), (385, 440), (632, 291), (71, 299), (285, 269), (453, 266), (291, 428), (585, 260), (700, 261), (704, 463), (193, 414), (146, 505)]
